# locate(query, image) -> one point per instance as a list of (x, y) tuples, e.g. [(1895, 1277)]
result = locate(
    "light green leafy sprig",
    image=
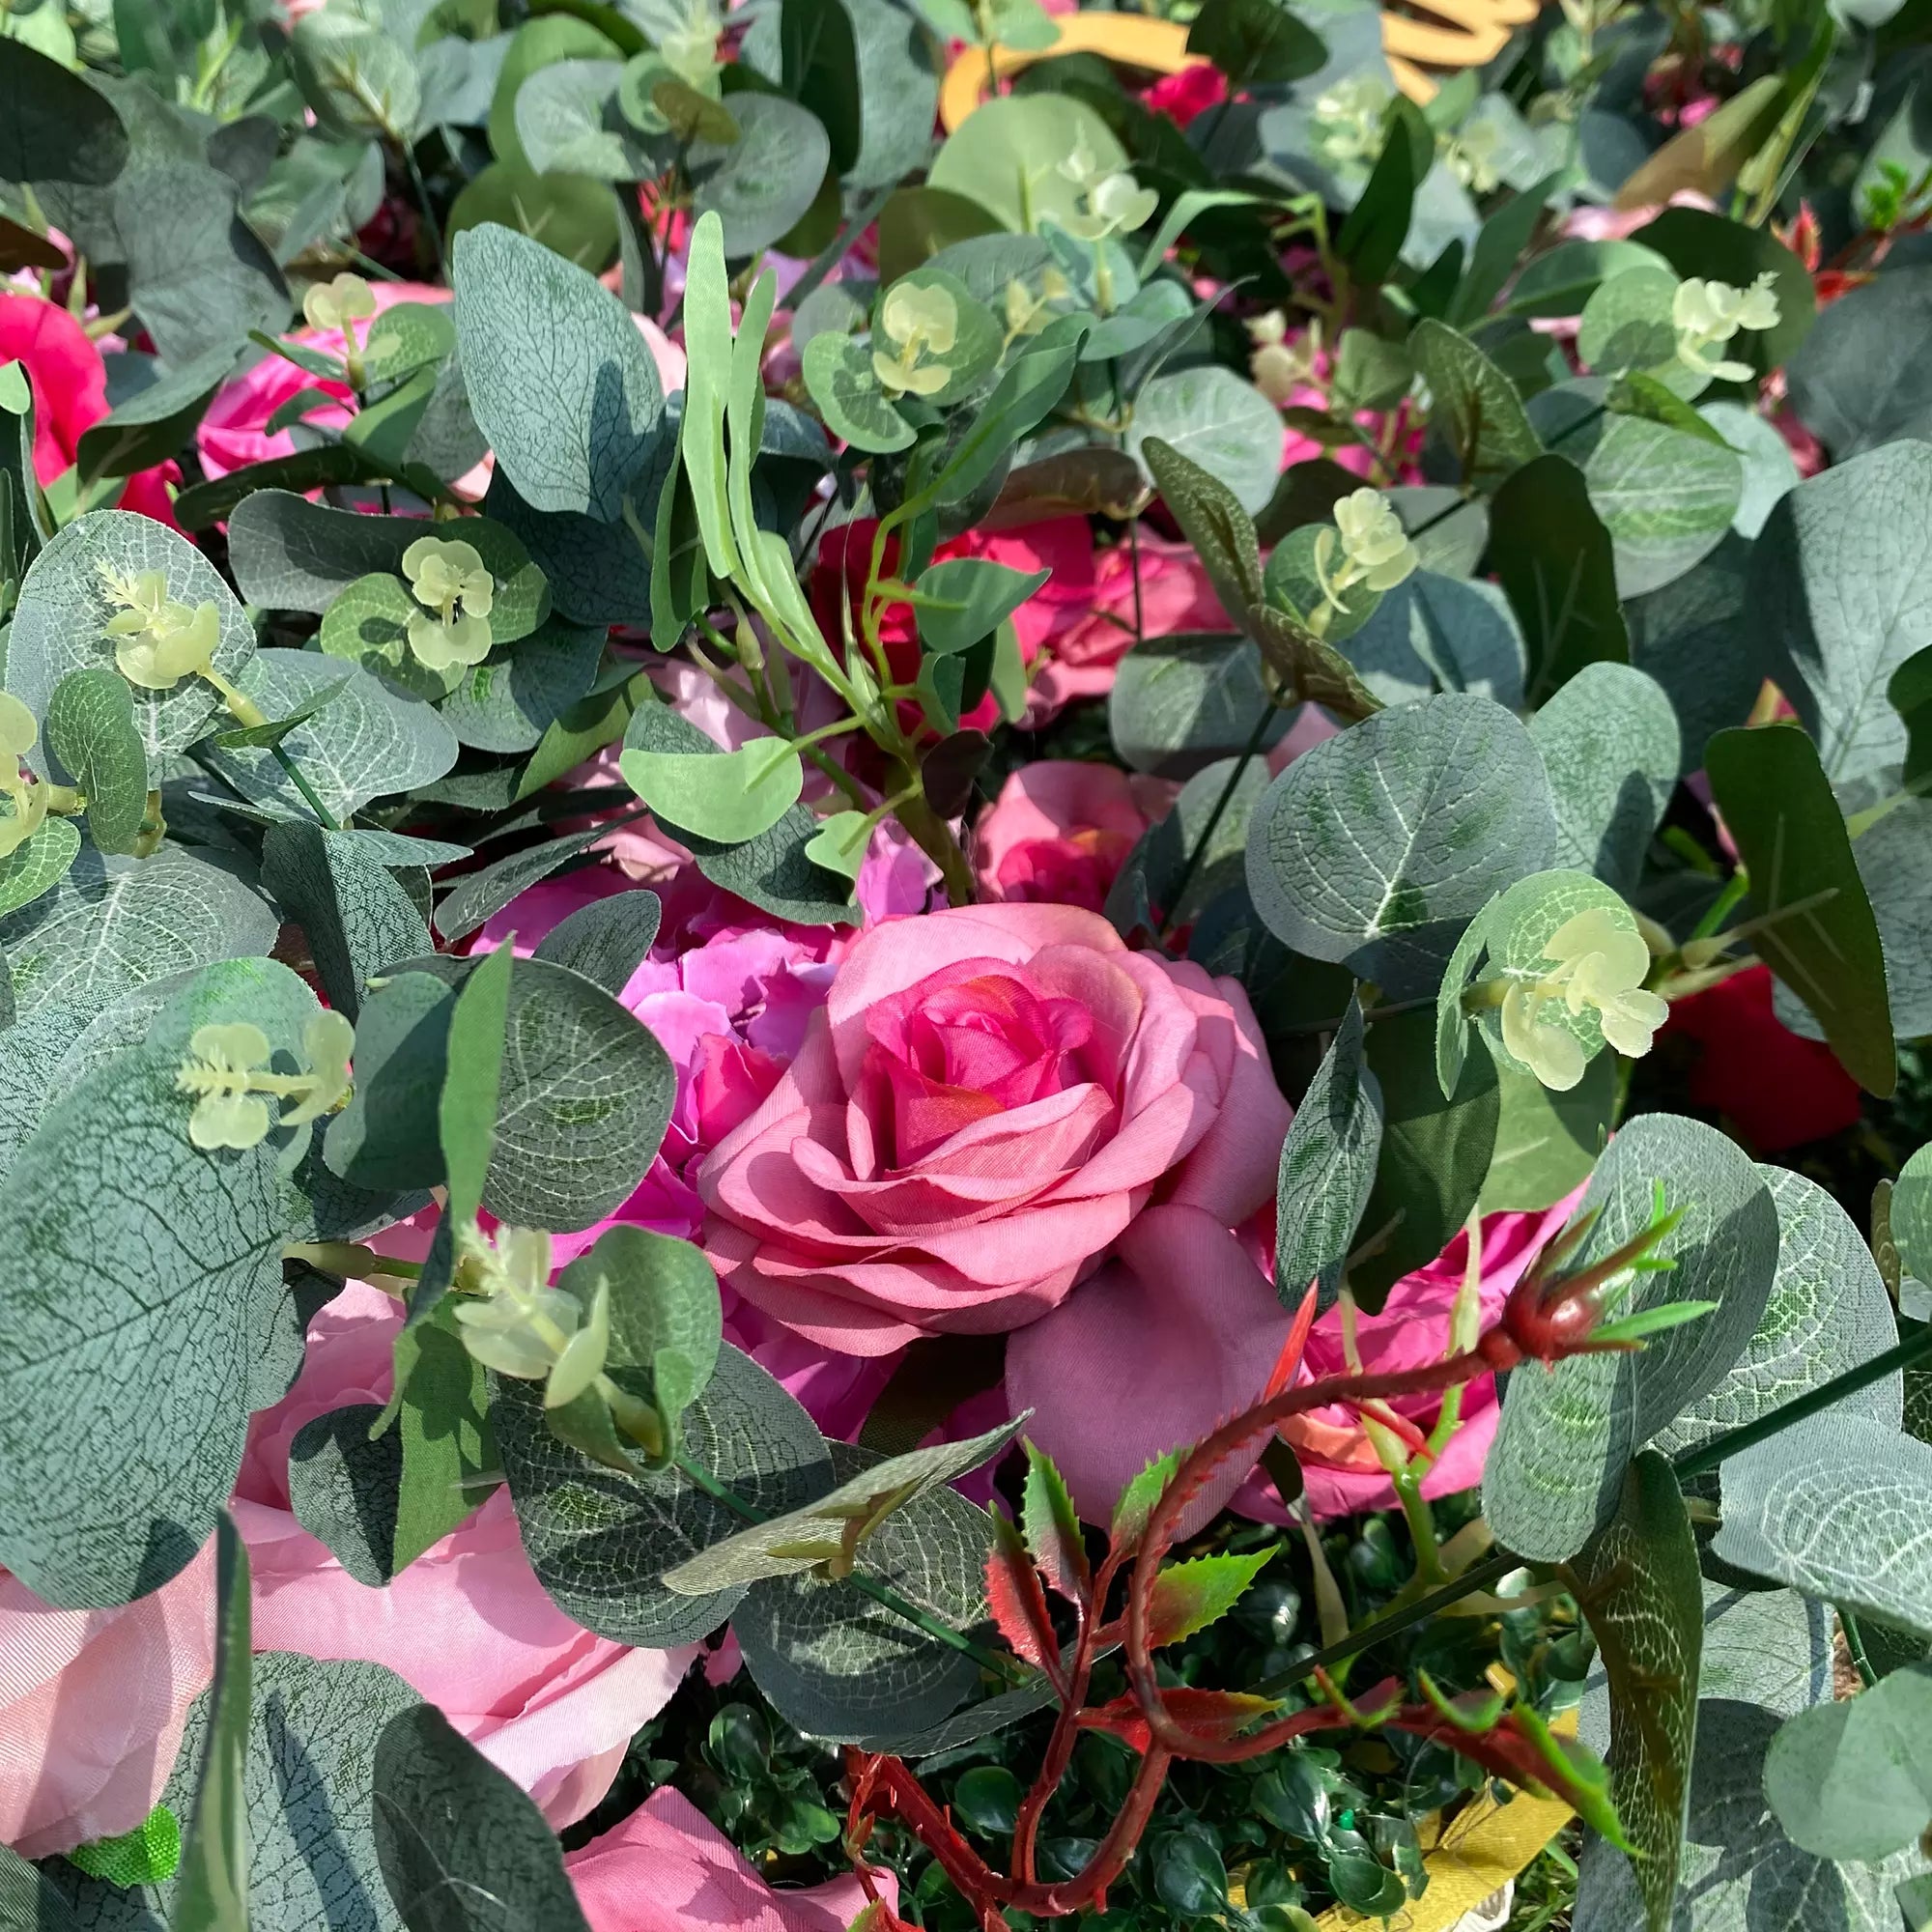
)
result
[(27, 794), (1594, 962), (227, 1070)]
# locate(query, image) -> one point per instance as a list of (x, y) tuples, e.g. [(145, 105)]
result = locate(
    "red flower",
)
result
[(1183, 96), (70, 384), (1778, 1089)]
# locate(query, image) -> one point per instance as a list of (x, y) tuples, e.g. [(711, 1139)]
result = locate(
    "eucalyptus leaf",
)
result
[(600, 1540), (1821, 937), (1327, 1166), (1218, 421), (839, 1664), (463, 1849), (357, 917), (112, 925), (124, 1473), (606, 940), (91, 730), (1376, 847), (61, 620), (762, 183), (1181, 701), (558, 377), (1838, 587), (1566, 1438), (1643, 1597), (365, 743), (1610, 743)]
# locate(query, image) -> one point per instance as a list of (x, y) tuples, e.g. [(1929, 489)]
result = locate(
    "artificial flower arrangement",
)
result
[(896, 907)]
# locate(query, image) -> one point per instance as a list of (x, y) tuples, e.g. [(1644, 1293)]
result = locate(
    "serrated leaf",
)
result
[(1376, 847), (358, 917), (1327, 1166), (1639, 1583), (1472, 404), (559, 379), (122, 1474), (763, 1549), (1824, 942), (600, 1540), (1053, 1527), (1610, 741), (1137, 1500), (605, 941), (1214, 520), (1566, 1438), (836, 1663), (1188, 1597), (463, 1849)]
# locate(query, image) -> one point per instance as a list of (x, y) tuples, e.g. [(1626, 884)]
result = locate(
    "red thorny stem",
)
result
[(1545, 1319)]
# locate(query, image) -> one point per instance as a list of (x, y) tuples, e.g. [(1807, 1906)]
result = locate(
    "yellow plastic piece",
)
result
[(1459, 34), (1487, 1845)]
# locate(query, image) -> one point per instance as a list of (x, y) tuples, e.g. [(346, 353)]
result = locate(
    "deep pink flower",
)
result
[(1060, 832), (1084, 652), (989, 1098), (69, 384), (1182, 97)]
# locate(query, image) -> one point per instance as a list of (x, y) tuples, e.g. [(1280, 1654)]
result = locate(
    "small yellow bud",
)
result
[(335, 305)]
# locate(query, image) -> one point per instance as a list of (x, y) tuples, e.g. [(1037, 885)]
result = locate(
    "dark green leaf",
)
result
[(1823, 941), (212, 1892), (1638, 1584), (54, 127), (1327, 1167), (606, 940), (358, 917), (343, 1489), (1554, 558), (819, 69), (1473, 406), (91, 729), (387, 1136), (1254, 41), (473, 1082), (462, 1848)]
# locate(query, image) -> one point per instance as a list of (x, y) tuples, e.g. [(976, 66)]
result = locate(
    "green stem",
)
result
[(307, 791), (1730, 1442), (882, 1594), (1198, 851), (423, 202), (1736, 886), (1854, 1645)]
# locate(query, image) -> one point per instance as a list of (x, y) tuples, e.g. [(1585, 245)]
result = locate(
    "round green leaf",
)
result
[(729, 796), (762, 183), (1006, 156)]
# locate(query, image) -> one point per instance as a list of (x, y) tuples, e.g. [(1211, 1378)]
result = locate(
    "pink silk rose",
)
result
[(467, 1625), (1084, 652), (92, 1707), (989, 1098), (1061, 830), (668, 1868), (69, 384)]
